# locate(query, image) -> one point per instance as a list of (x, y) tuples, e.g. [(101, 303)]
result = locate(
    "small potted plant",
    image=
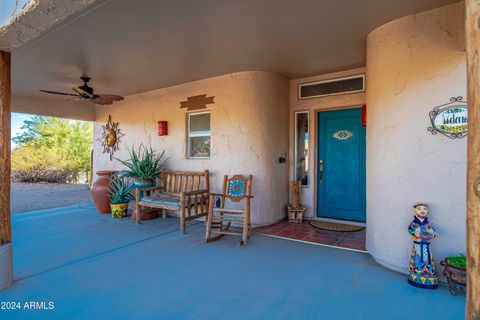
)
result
[(120, 195), (143, 166), (455, 270)]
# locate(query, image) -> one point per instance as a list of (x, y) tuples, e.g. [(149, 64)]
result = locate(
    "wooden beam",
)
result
[(5, 225), (472, 35)]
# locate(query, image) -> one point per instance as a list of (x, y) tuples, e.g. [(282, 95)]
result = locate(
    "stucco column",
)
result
[(6, 270)]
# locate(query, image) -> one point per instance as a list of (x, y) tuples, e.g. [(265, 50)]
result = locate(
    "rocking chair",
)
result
[(235, 189)]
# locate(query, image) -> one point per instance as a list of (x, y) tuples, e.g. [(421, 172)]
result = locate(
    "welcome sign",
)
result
[(450, 119)]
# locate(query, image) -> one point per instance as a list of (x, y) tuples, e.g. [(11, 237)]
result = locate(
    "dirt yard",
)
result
[(38, 196)]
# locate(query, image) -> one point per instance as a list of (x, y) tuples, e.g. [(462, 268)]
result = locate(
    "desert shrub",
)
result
[(52, 150), (40, 165)]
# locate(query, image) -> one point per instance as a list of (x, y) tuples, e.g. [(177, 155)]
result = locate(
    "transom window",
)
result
[(199, 135)]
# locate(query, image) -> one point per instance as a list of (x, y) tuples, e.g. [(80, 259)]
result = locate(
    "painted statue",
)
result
[(422, 267)]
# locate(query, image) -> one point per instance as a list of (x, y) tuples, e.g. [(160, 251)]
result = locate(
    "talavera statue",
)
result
[(422, 267)]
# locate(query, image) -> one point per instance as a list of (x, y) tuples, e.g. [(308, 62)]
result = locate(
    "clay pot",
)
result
[(147, 214), (100, 191)]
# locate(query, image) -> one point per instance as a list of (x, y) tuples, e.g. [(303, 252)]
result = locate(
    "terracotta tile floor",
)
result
[(306, 232)]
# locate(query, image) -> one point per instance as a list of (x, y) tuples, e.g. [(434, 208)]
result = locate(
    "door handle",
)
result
[(320, 171)]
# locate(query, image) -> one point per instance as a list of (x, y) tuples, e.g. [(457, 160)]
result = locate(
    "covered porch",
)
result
[(250, 60), (90, 267)]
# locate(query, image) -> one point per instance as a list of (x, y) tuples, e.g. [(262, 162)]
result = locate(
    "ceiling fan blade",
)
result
[(82, 93), (106, 99), (60, 93)]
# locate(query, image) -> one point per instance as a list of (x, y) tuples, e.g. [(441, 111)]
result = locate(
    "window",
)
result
[(331, 87), (198, 135), (301, 147)]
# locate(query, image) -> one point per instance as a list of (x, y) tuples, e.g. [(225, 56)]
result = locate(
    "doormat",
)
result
[(335, 226)]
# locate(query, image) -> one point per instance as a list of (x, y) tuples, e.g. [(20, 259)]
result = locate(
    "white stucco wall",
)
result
[(414, 64), (313, 106), (249, 126)]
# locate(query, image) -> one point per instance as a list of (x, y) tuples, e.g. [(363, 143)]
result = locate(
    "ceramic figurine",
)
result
[(422, 267)]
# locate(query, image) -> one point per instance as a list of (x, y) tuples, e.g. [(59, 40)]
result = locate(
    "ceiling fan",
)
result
[(85, 92)]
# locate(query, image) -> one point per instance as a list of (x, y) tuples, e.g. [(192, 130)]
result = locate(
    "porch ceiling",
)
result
[(129, 46)]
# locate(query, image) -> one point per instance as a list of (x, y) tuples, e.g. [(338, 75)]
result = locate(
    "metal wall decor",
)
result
[(197, 102), (110, 138), (343, 135), (450, 119)]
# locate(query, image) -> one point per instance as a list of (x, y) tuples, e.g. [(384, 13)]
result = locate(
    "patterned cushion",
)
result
[(163, 199)]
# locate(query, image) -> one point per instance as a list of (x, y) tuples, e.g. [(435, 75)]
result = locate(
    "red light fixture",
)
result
[(162, 128), (364, 115)]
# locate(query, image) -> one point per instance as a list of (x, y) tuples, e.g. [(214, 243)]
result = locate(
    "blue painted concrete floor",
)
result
[(90, 266)]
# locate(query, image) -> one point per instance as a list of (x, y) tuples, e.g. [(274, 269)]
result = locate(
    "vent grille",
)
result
[(331, 87)]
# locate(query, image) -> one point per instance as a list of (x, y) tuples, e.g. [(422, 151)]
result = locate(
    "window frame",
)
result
[(295, 150), (189, 135)]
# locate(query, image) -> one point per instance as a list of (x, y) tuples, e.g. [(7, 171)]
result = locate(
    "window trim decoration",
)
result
[(189, 135)]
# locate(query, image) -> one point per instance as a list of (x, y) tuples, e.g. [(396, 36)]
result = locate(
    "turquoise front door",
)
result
[(341, 165)]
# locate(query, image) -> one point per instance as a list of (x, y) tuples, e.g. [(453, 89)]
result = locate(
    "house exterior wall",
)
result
[(313, 106), (414, 64), (249, 126)]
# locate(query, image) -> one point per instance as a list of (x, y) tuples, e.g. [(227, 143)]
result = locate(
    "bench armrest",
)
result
[(192, 193), (149, 189), (228, 196)]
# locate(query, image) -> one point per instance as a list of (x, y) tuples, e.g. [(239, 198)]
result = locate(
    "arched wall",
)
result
[(249, 127), (414, 64)]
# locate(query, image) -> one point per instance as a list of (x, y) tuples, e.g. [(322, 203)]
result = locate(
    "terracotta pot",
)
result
[(456, 278), (119, 210), (100, 191), (147, 214)]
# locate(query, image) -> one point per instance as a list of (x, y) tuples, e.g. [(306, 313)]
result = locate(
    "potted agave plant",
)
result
[(120, 195), (455, 270), (143, 166)]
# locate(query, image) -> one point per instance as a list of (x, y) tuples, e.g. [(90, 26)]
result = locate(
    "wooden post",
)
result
[(6, 271), (472, 34)]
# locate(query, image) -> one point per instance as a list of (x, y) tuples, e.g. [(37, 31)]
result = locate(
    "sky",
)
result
[(17, 121), (7, 8)]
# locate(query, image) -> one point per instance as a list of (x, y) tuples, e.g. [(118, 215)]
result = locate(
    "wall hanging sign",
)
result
[(450, 119), (110, 138), (197, 102)]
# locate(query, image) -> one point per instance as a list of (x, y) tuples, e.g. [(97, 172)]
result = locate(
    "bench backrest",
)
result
[(178, 181)]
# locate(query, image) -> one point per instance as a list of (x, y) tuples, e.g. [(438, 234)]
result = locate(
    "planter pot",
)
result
[(139, 183), (119, 210), (147, 214), (456, 278), (100, 191)]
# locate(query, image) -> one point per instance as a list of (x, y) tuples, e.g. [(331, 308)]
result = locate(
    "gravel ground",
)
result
[(38, 196)]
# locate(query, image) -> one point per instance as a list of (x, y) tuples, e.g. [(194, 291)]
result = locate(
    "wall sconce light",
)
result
[(162, 128)]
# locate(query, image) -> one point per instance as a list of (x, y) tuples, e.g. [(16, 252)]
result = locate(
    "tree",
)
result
[(53, 145)]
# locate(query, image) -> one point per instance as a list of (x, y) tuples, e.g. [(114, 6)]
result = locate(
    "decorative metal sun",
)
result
[(111, 135)]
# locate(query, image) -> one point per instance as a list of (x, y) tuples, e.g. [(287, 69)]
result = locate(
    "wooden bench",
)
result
[(184, 192)]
